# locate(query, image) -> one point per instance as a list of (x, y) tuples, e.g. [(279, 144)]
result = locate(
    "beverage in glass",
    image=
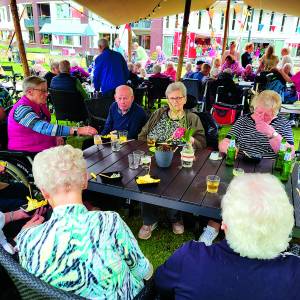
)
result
[(97, 140), (146, 162), (187, 156), (123, 136), (212, 183), (133, 161), (151, 141), (115, 145), (113, 136)]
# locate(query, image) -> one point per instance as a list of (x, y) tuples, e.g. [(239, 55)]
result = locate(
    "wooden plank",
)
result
[(197, 190), (185, 177)]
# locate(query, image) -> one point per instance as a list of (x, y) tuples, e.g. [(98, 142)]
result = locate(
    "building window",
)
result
[(167, 22), (271, 21), (65, 40), (199, 19), (260, 18), (28, 9), (283, 22), (46, 39), (176, 21), (222, 20), (31, 36), (233, 19), (63, 11)]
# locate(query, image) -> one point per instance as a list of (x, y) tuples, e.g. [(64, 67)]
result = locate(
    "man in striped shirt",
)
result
[(29, 127)]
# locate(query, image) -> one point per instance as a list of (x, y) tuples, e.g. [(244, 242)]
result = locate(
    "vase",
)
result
[(187, 156), (163, 158)]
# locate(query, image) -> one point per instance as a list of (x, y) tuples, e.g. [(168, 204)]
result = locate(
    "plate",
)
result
[(106, 177), (25, 206), (105, 138), (150, 184)]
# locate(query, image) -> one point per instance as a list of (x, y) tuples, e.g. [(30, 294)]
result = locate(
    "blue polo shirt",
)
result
[(110, 71), (132, 121), (196, 271)]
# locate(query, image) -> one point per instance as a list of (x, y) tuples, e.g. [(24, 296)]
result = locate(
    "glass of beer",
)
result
[(212, 183), (151, 141), (97, 140), (123, 136), (114, 135)]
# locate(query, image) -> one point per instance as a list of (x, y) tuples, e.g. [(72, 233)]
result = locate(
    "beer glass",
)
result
[(212, 183)]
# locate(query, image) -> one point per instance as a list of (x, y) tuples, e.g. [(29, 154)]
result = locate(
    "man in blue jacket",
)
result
[(125, 114), (110, 69)]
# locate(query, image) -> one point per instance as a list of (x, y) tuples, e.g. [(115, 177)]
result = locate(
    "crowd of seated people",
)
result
[(106, 260)]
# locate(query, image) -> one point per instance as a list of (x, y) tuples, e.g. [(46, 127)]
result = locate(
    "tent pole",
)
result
[(187, 10), (250, 27), (15, 15), (129, 42), (226, 26)]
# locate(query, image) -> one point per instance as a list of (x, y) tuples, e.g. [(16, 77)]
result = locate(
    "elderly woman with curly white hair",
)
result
[(92, 254), (250, 263)]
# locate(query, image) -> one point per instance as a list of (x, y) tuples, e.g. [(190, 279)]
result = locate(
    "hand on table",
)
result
[(87, 130)]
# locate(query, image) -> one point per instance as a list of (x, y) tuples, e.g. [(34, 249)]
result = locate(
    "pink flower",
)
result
[(179, 133)]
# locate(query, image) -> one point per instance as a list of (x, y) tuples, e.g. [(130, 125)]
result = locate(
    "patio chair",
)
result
[(157, 90), (68, 106), (195, 88), (28, 286), (98, 109)]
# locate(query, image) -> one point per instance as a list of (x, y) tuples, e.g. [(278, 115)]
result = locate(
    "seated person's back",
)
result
[(250, 263), (125, 114), (92, 254)]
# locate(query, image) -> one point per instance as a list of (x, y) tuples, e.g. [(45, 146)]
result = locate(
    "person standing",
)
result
[(110, 70), (246, 56), (232, 51), (140, 54), (118, 47)]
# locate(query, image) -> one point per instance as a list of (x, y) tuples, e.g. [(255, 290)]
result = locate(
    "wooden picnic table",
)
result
[(183, 189)]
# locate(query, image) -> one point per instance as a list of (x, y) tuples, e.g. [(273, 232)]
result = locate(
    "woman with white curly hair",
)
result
[(250, 263), (90, 253)]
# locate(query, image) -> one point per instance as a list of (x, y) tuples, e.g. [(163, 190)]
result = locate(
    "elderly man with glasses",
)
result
[(29, 127)]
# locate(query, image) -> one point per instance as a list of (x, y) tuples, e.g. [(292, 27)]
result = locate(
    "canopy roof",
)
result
[(70, 29), (120, 12), (290, 7)]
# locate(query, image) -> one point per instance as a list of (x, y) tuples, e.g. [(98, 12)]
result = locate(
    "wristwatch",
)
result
[(274, 134), (75, 131)]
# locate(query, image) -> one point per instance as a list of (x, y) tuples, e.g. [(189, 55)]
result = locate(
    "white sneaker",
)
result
[(208, 235)]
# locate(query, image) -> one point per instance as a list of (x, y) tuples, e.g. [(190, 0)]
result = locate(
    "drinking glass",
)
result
[(123, 136), (115, 145), (113, 136), (238, 171), (146, 162), (151, 141), (133, 161), (139, 154), (97, 139), (212, 183)]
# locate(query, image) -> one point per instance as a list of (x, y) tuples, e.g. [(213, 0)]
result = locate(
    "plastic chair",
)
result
[(68, 106), (29, 286)]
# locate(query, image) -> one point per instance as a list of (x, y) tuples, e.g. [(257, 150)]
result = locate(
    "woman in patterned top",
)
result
[(259, 133), (161, 126), (92, 254)]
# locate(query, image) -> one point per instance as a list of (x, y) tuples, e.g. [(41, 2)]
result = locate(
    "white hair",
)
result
[(258, 215), (59, 167), (176, 86), (267, 99), (156, 69)]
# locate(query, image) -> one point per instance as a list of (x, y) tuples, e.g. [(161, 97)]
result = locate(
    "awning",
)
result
[(69, 29), (290, 7), (119, 12)]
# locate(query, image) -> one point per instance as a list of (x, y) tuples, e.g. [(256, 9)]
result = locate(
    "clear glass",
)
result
[(139, 154), (113, 136), (212, 183), (133, 161), (187, 156), (151, 140), (146, 162), (238, 171), (123, 135), (115, 145)]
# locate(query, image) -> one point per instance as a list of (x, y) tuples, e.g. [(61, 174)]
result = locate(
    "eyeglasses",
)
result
[(42, 91), (176, 98)]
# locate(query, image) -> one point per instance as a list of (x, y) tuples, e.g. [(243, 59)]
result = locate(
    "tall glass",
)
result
[(123, 136), (115, 145), (151, 141), (97, 140), (146, 162)]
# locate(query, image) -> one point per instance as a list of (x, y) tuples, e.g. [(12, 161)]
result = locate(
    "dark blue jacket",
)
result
[(110, 71), (132, 121), (63, 82), (196, 271)]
